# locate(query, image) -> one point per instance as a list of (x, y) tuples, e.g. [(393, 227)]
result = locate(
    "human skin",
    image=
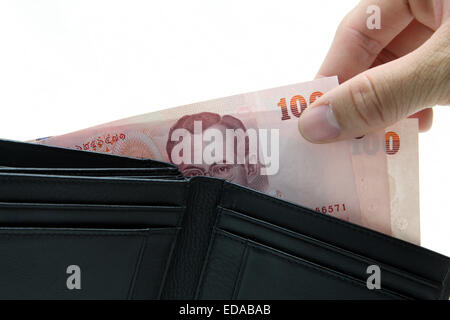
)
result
[(386, 74)]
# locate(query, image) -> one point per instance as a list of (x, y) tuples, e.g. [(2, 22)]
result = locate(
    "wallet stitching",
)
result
[(37, 148), (167, 265), (16, 235), (241, 271), (89, 180), (88, 234), (81, 180), (305, 263), (221, 233), (445, 286), (342, 223), (201, 284), (89, 174), (180, 216), (297, 236), (47, 205), (137, 267), (324, 246)]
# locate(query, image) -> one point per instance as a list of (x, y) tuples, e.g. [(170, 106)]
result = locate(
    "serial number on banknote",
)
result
[(332, 208)]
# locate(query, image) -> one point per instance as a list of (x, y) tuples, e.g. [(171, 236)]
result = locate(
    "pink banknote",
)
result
[(349, 179)]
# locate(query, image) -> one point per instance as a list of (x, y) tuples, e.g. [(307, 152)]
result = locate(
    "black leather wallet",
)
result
[(82, 225)]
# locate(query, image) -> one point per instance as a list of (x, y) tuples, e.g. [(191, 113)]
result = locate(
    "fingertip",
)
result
[(425, 118), (319, 125)]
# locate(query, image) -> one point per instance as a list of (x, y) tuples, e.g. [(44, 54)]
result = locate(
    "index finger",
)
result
[(355, 46)]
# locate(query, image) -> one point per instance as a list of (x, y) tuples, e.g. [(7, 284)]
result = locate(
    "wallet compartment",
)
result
[(59, 215), (78, 263), (265, 273), (323, 254)]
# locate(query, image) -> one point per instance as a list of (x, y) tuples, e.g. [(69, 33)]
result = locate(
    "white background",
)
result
[(67, 65)]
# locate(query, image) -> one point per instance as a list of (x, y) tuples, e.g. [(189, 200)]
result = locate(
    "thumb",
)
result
[(383, 95)]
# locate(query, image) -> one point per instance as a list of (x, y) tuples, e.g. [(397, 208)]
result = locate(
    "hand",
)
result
[(388, 74)]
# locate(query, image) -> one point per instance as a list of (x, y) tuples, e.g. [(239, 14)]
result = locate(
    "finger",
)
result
[(425, 117), (381, 96), (355, 46), (430, 13), (412, 37)]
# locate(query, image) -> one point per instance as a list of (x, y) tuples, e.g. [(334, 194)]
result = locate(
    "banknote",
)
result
[(281, 163), (403, 174), (347, 179), (396, 166)]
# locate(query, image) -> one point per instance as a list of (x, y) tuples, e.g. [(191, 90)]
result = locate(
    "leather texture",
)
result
[(137, 229)]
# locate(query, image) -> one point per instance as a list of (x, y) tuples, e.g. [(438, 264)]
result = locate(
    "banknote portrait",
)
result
[(247, 174)]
